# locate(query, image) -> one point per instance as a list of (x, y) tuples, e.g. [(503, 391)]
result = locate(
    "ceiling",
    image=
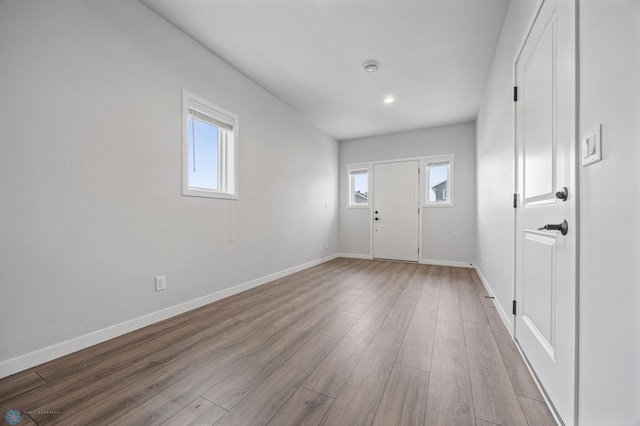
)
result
[(435, 55)]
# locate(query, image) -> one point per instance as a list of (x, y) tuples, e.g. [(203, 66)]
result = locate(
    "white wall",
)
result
[(495, 152), (610, 215), (448, 232), (90, 163)]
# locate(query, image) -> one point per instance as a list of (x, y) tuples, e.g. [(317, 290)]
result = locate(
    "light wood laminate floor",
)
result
[(348, 342)]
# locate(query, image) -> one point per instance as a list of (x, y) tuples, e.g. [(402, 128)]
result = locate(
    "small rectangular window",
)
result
[(209, 149), (358, 187), (439, 180), (203, 154)]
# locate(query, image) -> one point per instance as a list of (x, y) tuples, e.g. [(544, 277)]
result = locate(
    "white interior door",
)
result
[(546, 258), (395, 211)]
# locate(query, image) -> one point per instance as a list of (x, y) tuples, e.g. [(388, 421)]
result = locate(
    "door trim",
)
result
[(421, 196)]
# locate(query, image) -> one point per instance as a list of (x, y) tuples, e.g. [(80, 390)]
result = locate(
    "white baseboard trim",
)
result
[(453, 263), (506, 319), (49, 353), (355, 256)]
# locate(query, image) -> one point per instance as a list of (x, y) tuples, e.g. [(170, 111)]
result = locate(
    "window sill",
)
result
[(438, 205), (209, 194)]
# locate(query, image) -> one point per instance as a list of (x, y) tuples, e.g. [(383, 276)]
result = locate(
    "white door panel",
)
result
[(396, 215), (539, 140), (538, 287), (545, 260)]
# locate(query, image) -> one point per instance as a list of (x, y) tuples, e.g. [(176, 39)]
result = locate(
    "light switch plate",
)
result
[(592, 146), (161, 283)]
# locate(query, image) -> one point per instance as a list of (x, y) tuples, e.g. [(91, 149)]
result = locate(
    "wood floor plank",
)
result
[(481, 290), (400, 314), (118, 393), (254, 370), (304, 408), (72, 395), (376, 283), (471, 306), (152, 400), (301, 305), (335, 369), (521, 378), (339, 323), (19, 384), (494, 398), (417, 345), (354, 284), (312, 278), (365, 329), (449, 281), (243, 330), (266, 399), (449, 399), (449, 317), (314, 303), (103, 366), (302, 313), (430, 292), (404, 399), (255, 312), (357, 401), (480, 422), (333, 372), (199, 412), (418, 342), (293, 295), (536, 412), (105, 408), (53, 369), (397, 279)]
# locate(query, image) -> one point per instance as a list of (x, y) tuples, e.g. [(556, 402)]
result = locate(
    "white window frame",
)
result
[(437, 160), (227, 148), (355, 168)]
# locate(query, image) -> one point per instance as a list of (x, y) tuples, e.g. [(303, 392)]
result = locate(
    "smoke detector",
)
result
[(371, 66)]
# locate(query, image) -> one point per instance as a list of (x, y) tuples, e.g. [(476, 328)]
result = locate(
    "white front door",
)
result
[(396, 211), (545, 261)]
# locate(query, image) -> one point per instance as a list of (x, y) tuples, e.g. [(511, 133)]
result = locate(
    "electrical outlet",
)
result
[(161, 283), (326, 245)]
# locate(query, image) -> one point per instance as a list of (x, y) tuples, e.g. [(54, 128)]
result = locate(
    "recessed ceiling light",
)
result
[(389, 100), (371, 66)]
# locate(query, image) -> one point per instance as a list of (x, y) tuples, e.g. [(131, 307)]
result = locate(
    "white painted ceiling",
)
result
[(435, 55)]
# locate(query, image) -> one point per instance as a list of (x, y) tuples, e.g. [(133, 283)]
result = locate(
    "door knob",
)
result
[(562, 227), (563, 194), (376, 218), (376, 211)]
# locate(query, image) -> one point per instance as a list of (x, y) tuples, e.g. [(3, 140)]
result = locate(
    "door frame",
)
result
[(574, 172), (421, 162), (421, 197)]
